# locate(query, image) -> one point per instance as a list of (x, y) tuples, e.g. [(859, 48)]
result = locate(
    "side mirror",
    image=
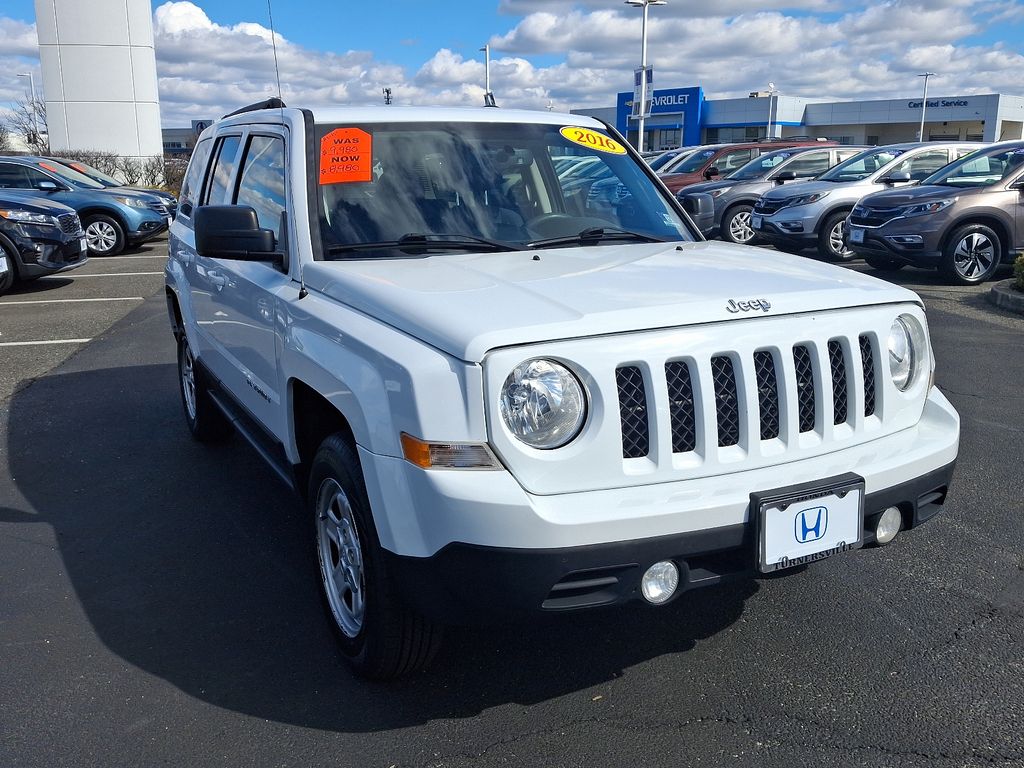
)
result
[(1018, 184), (711, 172), (232, 232), (784, 176), (48, 186), (701, 207), (896, 177)]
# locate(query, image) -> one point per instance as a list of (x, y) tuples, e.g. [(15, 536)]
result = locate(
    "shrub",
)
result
[(1018, 273)]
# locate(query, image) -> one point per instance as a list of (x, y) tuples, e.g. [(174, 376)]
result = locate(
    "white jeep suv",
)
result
[(497, 401)]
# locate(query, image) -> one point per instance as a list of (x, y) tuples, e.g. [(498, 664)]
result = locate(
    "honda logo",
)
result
[(810, 524)]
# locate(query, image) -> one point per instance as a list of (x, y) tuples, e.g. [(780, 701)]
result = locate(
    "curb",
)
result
[(1004, 295)]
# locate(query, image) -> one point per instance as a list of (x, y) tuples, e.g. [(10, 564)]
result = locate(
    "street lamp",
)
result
[(488, 96), (643, 66), (924, 103), (771, 94), (32, 87)]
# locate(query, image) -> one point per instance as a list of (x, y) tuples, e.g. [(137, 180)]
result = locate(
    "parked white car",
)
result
[(496, 402)]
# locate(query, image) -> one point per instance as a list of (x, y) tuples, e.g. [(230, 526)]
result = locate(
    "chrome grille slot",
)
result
[(681, 407), (726, 400), (804, 387), (767, 394), (636, 438), (837, 362)]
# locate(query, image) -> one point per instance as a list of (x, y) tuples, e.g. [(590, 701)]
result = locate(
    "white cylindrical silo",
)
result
[(99, 75)]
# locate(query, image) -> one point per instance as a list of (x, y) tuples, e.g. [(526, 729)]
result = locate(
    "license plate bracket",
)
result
[(803, 523), (856, 235), (755, 221)]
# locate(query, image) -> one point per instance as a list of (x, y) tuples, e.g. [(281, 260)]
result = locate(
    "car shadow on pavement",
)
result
[(193, 564)]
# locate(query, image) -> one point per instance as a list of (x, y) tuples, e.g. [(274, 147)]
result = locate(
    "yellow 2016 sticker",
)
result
[(592, 140)]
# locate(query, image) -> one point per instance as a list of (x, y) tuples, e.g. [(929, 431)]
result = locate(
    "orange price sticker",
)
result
[(592, 140), (346, 155)]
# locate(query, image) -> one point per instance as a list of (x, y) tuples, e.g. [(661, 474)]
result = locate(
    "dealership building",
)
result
[(683, 117)]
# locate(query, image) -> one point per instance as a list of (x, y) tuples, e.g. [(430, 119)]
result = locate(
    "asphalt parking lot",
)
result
[(158, 603)]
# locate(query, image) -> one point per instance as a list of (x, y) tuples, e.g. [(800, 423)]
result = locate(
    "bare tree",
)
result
[(27, 120), (153, 171), (5, 139), (100, 159), (130, 170)]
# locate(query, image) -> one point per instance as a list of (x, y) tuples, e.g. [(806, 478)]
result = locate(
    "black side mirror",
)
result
[(232, 232), (1018, 184), (48, 186), (711, 172), (784, 176), (701, 207), (896, 177)]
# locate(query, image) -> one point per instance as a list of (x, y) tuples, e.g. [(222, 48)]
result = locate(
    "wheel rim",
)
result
[(341, 557), (188, 380), (835, 239), (739, 227), (100, 236), (973, 256)]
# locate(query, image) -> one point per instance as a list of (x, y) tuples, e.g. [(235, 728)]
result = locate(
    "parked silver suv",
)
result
[(967, 219), (813, 213)]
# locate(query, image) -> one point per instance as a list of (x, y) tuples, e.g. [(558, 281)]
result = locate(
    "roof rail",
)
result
[(271, 103)]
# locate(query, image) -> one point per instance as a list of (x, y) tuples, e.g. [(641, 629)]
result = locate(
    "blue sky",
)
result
[(213, 55)]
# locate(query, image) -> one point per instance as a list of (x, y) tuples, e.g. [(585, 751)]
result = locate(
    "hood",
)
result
[(467, 304), (710, 186), (892, 198), (33, 202), (794, 188), (676, 181), (147, 191), (126, 192)]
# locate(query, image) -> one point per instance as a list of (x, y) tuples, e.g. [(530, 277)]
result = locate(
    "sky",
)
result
[(215, 55)]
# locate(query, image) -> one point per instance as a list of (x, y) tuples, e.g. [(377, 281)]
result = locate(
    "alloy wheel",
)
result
[(740, 229), (100, 236), (973, 256)]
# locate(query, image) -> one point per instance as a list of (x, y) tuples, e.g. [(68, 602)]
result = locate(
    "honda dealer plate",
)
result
[(856, 235), (809, 522)]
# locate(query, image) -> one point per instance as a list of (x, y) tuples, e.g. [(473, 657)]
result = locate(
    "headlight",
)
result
[(132, 202), (908, 348), (933, 206), (719, 192), (24, 217), (805, 199), (543, 404)]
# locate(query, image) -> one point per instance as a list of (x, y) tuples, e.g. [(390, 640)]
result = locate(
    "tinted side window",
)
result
[(810, 164), (223, 169), (13, 176), (262, 184), (193, 183), (924, 164), (730, 161)]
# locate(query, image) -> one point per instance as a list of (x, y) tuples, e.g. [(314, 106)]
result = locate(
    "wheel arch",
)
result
[(987, 220), (15, 256), (314, 418), (113, 213)]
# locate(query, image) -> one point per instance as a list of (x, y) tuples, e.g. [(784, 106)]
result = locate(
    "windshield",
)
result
[(695, 161), (70, 174), (93, 173), (980, 169), (859, 167), (665, 158), (394, 189), (760, 167)]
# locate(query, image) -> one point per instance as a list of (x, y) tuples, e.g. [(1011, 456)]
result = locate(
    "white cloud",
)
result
[(812, 48)]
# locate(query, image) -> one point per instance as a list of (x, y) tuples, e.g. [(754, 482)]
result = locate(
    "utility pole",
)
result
[(924, 103), (643, 67)]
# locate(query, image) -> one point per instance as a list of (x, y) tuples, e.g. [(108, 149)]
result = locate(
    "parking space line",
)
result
[(139, 256), (68, 301), (36, 343), (99, 274)]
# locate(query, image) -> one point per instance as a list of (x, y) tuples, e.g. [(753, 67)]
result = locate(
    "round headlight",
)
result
[(543, 404), (907, 349)]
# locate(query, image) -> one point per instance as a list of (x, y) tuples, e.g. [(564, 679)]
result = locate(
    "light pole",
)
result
[(32, 88), (643, 67), (924, 103), (771, 95), (488, 96)]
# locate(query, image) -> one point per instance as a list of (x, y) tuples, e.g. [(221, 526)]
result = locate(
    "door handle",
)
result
[(185, 257), (217, 280)]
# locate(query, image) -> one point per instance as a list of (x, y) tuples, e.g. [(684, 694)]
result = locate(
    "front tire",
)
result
[(7, 280), (205, 420), (831, 242), (736, 226), (381, 638), (972, 255), (104, 235)]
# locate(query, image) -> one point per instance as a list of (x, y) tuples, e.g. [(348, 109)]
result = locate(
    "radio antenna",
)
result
[(273, 43)]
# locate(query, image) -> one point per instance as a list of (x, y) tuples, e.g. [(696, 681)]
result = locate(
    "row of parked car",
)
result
[(957, 207), (54, 213)]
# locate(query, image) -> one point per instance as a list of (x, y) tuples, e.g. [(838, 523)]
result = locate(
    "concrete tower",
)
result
[(99, 75)]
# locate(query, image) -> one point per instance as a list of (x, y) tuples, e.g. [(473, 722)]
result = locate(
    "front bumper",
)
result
[(38, 256), (462, 543), (797, 225), (147, 229), (886, 241)]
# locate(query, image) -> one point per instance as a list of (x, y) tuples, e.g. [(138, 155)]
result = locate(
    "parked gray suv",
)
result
[(966, 219), (735, 195)]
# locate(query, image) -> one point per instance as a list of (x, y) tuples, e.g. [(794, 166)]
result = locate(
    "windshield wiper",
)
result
[(593, 235), (420, 241)]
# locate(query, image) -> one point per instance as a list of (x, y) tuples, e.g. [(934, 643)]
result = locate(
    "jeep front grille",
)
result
[(818, 385)]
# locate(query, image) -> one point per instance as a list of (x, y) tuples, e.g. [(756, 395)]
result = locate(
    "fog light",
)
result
[(905, 239), (888, 525), (660, 582)]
